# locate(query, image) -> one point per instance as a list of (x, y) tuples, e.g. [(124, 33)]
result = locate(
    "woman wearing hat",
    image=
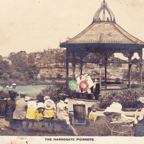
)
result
[(49, 109), (116, 107), (20, 111), (63, 111)]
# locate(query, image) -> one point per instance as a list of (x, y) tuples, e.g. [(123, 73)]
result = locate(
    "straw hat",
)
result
[(66, 101), (46, 97), (27, 98), (141, 99), (114, 107), (32, 104), (40, 104), (13, 84), (48, 104), (7, 86), (10, 87)]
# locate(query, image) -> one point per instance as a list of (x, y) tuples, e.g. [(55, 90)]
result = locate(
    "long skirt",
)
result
[(19, 114)]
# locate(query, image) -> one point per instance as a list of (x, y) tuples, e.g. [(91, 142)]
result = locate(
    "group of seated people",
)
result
[(40, 109)]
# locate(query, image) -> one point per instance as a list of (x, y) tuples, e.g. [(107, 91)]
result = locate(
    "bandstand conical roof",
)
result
[(103, 30)]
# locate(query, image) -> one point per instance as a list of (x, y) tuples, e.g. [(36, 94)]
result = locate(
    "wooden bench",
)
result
[(52, 122)]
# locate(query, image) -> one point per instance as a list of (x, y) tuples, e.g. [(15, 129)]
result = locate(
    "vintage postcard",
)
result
[(71, 71)]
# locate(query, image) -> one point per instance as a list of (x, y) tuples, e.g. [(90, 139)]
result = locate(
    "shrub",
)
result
[(15, 74), (5, 76), (50, 91), (53, 92), (127, 98)]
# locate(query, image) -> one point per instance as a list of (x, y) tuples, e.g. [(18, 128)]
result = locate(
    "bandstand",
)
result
[(103, 37)]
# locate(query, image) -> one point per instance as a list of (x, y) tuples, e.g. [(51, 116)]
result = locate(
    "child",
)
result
[(93, 115), (39, 111), (31, 112), (50, 109)]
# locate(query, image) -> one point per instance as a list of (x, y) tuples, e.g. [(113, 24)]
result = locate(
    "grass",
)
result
[(30, 89)]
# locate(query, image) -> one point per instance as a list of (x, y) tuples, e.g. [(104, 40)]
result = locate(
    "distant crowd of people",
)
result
[(10, 86), (86, 84)]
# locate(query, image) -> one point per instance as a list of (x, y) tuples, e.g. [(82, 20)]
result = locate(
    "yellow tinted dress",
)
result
[(92, 116), (49, 113), (39, 115), (31, 113), (50, 109)]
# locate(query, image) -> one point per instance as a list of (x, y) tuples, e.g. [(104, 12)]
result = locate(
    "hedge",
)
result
[(128, 98)]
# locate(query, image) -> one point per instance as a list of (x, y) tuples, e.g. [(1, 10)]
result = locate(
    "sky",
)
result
[(35, 25)]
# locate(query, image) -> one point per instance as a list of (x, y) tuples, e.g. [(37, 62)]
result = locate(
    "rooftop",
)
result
[(103, 30)]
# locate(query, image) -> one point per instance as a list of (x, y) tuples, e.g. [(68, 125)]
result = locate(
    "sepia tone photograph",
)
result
[(71, 68)]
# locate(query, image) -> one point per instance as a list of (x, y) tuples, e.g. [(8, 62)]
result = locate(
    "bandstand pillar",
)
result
[(81, 62), (67, 67), (73, 63), (129, 73), (141, 74), (140, 55), (106, 72), (100, 66)]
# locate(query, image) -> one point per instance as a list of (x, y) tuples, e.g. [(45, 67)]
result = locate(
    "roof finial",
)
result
[(105, 11)]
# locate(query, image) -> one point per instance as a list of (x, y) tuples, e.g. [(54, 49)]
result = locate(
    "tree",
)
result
[(19, 61), (60, 57), (31, 59), (4, 66)]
